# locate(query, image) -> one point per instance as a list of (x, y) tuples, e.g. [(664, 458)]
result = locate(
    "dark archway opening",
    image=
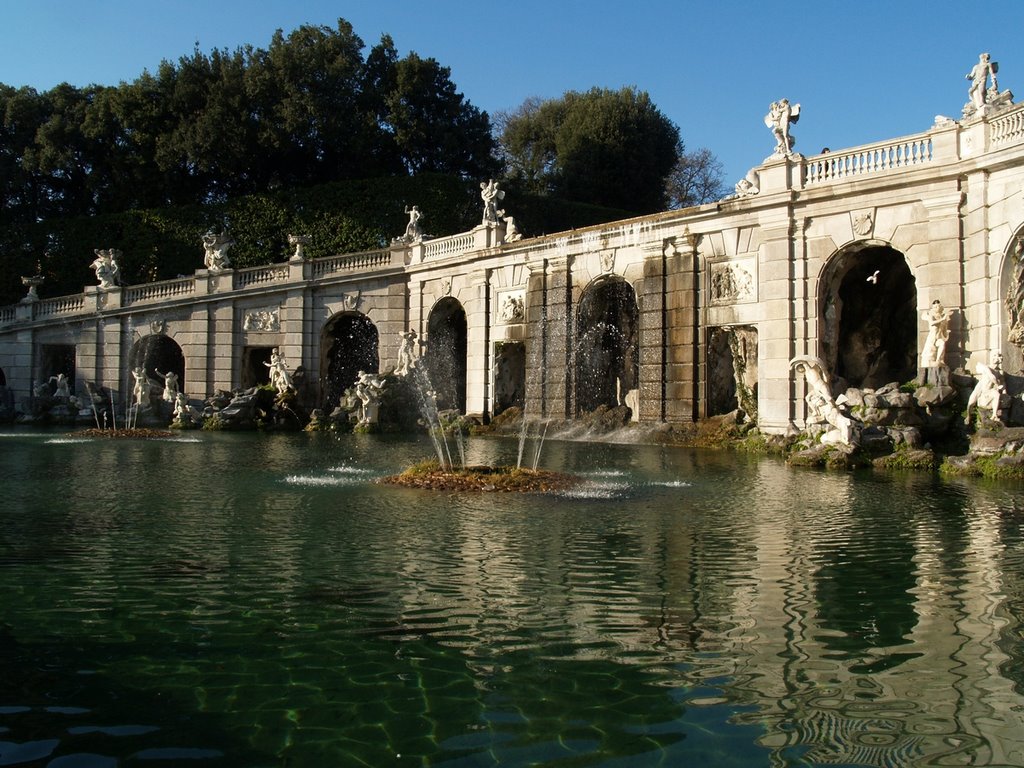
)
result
[(446, 354), (159, 355), (607, 358), (869, 317), (255, 366), (55, 359), (732, 370), (350, 344), (509, 375)]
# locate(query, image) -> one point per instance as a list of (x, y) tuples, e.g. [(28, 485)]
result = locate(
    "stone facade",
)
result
[(623, 313)]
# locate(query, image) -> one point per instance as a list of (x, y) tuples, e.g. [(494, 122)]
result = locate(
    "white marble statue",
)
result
[(299, 242), (185, 414), (979, 75), (749, 185), (279, 376), (170, 386), (61, 389), (934, 353), (413, 229), (216, 251), (512, 309), (491, 194), (106, 267), (368, 389), (821, 405), (780, 114), (140, 390), (989, 393), (512, 233), (406, 353)]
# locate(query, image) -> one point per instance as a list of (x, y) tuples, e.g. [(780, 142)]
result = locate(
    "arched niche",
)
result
[(158, 354), (868, 316), (349, 344), (606, 351), (446, 353)]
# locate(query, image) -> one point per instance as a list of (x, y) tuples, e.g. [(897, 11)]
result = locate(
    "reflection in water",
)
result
[(240, 599)]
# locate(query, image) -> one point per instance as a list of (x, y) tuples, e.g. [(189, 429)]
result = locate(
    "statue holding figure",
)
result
[(170, 386), (780, 114), (491, 194), (185, 415), (216, 251), (406, 353), (106, 267), (61, 389), (368, 389), (979, 75), (933, 356), (280, 379), (989, 393), (821, 405)]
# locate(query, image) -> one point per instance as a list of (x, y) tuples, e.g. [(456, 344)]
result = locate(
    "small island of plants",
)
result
[(431, 475)]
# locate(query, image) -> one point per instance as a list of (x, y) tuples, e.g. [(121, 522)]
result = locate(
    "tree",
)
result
[(610, 148), (695, 179)]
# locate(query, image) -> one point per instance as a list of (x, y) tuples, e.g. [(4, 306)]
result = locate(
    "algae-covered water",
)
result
[(256, 600)]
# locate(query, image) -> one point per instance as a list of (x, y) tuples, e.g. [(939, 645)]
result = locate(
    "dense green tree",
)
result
[(605, 147)]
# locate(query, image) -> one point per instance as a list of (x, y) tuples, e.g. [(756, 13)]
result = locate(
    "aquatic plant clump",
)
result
[(431, 476)]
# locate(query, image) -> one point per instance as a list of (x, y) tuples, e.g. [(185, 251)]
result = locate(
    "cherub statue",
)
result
[(106, 267), (61, 389), (406, 353), (979, 76), (170, 386), (141, 388), (279, 376), (934, 353), (368, 389), (780, 114)]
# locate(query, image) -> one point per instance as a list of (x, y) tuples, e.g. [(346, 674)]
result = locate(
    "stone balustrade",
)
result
[(331, 265), (1007, 129), (8, 314), (449, 246), (60, 305), (275, 273), (898, 155), (161, 291)]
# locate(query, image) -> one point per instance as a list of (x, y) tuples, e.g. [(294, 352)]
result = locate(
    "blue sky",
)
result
[(862, 70)]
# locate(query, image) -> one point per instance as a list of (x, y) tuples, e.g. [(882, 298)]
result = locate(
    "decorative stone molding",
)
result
[(863, 222), (607, 261), (512, 307)]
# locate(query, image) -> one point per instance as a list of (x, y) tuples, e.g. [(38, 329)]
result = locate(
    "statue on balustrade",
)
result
[(491, 194), (300, 242), (106, 267), (216, 248), (981, 96), (780, 114)]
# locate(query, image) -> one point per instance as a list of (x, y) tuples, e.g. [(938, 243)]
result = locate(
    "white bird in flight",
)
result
[(873, 279)]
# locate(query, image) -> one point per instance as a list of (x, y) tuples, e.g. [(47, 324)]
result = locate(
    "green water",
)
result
[(255, 600)]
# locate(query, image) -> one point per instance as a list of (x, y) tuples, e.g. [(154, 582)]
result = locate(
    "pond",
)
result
[(224, 599)]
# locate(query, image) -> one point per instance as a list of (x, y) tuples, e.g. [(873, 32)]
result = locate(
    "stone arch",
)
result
[(447, 333), (1011, 313), (867, 312), (158, 354), (607, 352), (349, 343)]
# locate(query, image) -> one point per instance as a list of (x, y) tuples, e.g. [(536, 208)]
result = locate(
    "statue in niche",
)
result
[(780, 114), (280, 379), (106, 267), (933, 356), (170, 394), (821, 406), (989, 393), (368, 389), (216, 251), (406, 353), (1015, 296), (491, 194), (299, 242)]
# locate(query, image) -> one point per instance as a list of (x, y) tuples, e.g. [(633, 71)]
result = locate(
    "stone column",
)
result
[(223, 347), (684, 334), (536, 337), (653, 336), (775, 344), (477, 341)]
